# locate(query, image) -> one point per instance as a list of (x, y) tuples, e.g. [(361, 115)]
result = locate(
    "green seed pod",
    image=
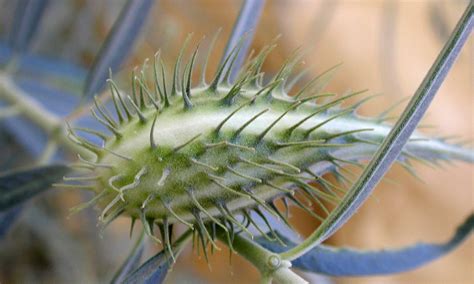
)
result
[(202, 155)]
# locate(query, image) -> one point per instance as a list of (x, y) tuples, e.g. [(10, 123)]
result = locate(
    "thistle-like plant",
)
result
[(215, 157)]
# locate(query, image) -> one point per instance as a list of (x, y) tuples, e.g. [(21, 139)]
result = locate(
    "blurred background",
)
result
[(386, 46)]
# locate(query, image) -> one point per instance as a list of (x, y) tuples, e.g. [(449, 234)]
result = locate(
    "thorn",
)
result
[(177, 148), (206, 61), (112, 129), (238, 131), (153, 144), (323, 108), (175, 84), (292, 107), (257, 180), (76, 209), (132, 225), (284, 164), (167, 239), (112, 92), (148, 226), (308, 132), (190, 192), (147, 92), (91, 131), (224, 210), (229, 144), (103, 111), (317, 79), (118, 155), (93, 164), (215, 179), (215, 169), (168, 207), (336, 135), (138, 111), (217, 79), (219, 126)]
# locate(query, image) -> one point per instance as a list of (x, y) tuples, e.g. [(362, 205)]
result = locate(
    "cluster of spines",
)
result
[(128, 108)]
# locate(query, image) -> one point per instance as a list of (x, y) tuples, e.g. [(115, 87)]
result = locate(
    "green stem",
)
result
[(52, 124), (269, 264), (392, 145)]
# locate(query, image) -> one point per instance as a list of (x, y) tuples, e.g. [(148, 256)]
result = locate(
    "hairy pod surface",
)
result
[(203, 155)]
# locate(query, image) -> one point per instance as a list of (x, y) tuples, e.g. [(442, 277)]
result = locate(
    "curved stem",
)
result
[(397, 138), (52, 124), (270, 265)]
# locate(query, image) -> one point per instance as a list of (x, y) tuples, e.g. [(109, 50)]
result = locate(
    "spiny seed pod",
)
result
[(202, 155)]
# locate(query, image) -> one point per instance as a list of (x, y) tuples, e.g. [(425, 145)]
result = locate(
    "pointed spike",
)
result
[(148, 94), (177, 148), (176, 216), (193, 160), (224, 210), (208, 55), (156, 59), (78, 208), (215, 180), (305, 208), (256, 226), (91, 131), (229, 144), (242, 175), (190, 192), (132, 225), (202, 235), (186, 99), (142, 118), (103, 111), (269, 226), (114, 99), (284, 164), (148, 226), (284, 218), (218, 77), (175, 83), (112, 129), (167, 237), (319, 125), (316, 80), (190, 71), (346, 133), (264, 132), (238, 131), (163, 80), (219, 126), (201, 225), (322, 109), (153, 144)]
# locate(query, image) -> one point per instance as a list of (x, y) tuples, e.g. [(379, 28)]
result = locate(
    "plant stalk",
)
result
[(393, 144), (269, 264), (52, 124)]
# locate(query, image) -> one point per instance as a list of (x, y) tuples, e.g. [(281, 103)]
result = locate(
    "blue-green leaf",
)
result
[(118, 44), (19, 186), (245, 24), (153, 271), (393, 144), (132, 261), (7, 219), (25, 23), (350, 262)]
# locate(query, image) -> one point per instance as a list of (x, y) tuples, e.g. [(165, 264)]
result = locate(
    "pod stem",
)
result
[(270, 265)]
